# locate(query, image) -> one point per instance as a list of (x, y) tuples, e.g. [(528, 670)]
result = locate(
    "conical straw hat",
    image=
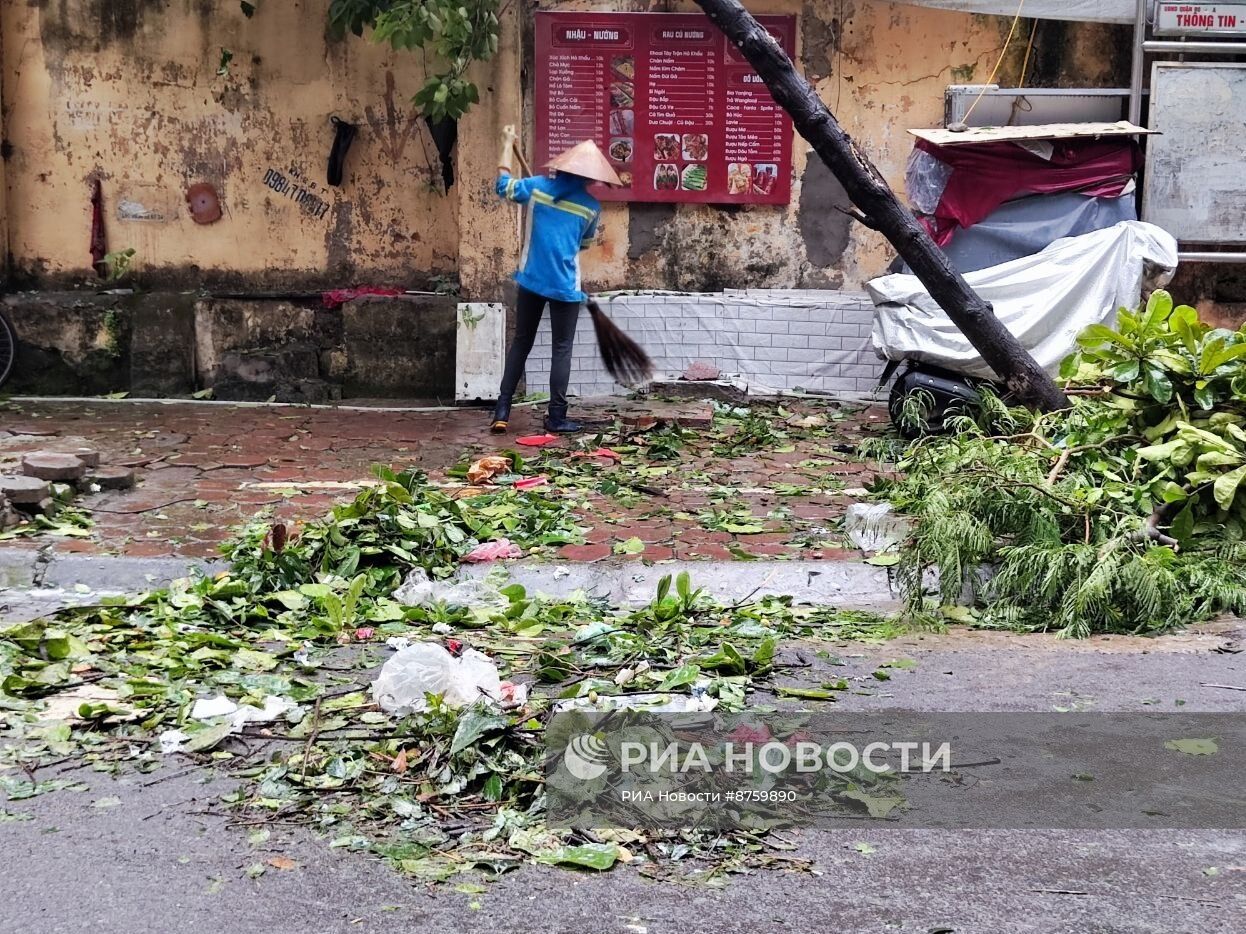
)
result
[(586, 160)]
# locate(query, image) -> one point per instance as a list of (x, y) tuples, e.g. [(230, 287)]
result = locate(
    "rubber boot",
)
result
[(501, 416), (558, 423)]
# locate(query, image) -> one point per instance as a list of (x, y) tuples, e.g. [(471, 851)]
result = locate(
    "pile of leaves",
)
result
[(304, 619), (1125, 513)]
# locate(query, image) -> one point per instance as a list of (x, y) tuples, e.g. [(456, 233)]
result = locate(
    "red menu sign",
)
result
[(680, 113)]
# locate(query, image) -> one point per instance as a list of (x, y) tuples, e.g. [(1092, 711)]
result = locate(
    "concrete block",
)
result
[(72, 343), (46, 465), (401, 346)]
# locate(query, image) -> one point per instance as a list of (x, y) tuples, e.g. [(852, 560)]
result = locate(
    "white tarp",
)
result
[(1094, 11), (1046, 300)]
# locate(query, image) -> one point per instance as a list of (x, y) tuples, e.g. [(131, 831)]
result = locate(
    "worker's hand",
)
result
[(509, 136)]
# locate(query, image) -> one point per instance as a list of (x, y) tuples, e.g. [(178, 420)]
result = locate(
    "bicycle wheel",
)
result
[(8, 349)]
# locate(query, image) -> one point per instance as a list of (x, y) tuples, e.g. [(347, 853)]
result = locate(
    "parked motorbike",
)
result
[(1045, 300)]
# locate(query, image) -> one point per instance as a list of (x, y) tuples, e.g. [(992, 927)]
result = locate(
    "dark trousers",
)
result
[(562, 318)]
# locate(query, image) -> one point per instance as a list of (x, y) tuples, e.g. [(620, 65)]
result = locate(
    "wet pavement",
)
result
[(158, 852), (203, 469)]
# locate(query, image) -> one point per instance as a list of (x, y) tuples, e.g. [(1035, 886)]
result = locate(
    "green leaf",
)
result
[(600, 856), (678, 677), (884, 561), (727, 659), (633, 546), (252, 660), (1225, 488), (1127, 371), (1193, 747), (1158, 385), (1183, 525), (876, 805), (476, 722), (207, 739)]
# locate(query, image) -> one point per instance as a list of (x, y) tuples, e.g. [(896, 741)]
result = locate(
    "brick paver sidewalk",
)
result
[(203, 469)]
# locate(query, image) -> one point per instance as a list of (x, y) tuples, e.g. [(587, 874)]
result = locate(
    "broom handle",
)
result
[(523, 163)]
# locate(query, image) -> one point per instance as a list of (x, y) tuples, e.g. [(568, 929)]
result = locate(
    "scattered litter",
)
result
[(529, 483), (513, 695), (492, 551), (172, 741), (603, 453), (875, 526), (654, 702), (807, 421), (421, 590), (487, 468), (701, 371), (209, 708), (536, 441), (427, 668), (65, 705)]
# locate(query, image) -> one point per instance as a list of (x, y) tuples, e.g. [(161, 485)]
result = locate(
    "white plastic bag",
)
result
[(427, 668), (420, 590)]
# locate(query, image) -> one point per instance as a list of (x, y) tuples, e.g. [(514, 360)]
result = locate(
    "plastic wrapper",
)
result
[(421, 590), (405, 681)]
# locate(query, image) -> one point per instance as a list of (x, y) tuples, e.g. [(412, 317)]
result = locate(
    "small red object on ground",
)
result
[(536, 441), (605, 453), (527, 483), (492, 551)]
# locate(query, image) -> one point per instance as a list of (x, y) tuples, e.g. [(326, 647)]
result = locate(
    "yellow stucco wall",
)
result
[(128, 91)]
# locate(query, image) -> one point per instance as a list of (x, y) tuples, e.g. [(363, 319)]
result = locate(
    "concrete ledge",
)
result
[(843, 584), (18, 567), (120, 575)]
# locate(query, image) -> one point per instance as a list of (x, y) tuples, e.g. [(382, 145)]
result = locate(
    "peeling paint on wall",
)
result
[(127, 91)]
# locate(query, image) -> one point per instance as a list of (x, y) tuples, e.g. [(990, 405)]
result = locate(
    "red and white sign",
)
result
[(675, 107), (1200, 19)]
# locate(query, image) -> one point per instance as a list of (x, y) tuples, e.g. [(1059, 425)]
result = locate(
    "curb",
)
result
[(843, 584)]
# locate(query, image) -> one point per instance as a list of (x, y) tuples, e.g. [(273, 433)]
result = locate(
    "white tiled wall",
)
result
[(818, 341)]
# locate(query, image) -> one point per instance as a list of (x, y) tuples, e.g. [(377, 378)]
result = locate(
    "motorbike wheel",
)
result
[(8, 349)]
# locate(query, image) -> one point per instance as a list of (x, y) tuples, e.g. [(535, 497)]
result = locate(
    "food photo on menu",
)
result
[(623, 66), (694, 178), (666, 147), (666, 177), (739, 178), (622, 122), (764, 177), (621, 150), (622, 94), (696, 147)]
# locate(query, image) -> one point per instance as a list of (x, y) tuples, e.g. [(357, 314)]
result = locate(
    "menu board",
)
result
[(677, 109)]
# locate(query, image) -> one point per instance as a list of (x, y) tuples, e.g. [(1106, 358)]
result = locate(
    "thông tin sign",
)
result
[(1200, 19)]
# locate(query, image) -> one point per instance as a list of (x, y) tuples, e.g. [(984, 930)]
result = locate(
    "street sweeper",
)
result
[(560, 220)]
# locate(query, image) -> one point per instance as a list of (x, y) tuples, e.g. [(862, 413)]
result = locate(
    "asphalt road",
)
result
[(155, 860)]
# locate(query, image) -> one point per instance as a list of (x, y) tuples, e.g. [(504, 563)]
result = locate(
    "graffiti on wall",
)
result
[(294, 185)]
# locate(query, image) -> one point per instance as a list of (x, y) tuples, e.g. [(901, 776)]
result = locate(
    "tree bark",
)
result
[(882, 211)]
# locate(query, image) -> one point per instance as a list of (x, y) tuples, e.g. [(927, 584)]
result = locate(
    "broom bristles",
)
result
[(625, 359)]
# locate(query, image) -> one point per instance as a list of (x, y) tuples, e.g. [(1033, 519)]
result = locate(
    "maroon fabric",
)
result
[(336, 297), (985, 175)]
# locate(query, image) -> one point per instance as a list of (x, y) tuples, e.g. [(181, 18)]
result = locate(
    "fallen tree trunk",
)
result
[(880, 209)]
